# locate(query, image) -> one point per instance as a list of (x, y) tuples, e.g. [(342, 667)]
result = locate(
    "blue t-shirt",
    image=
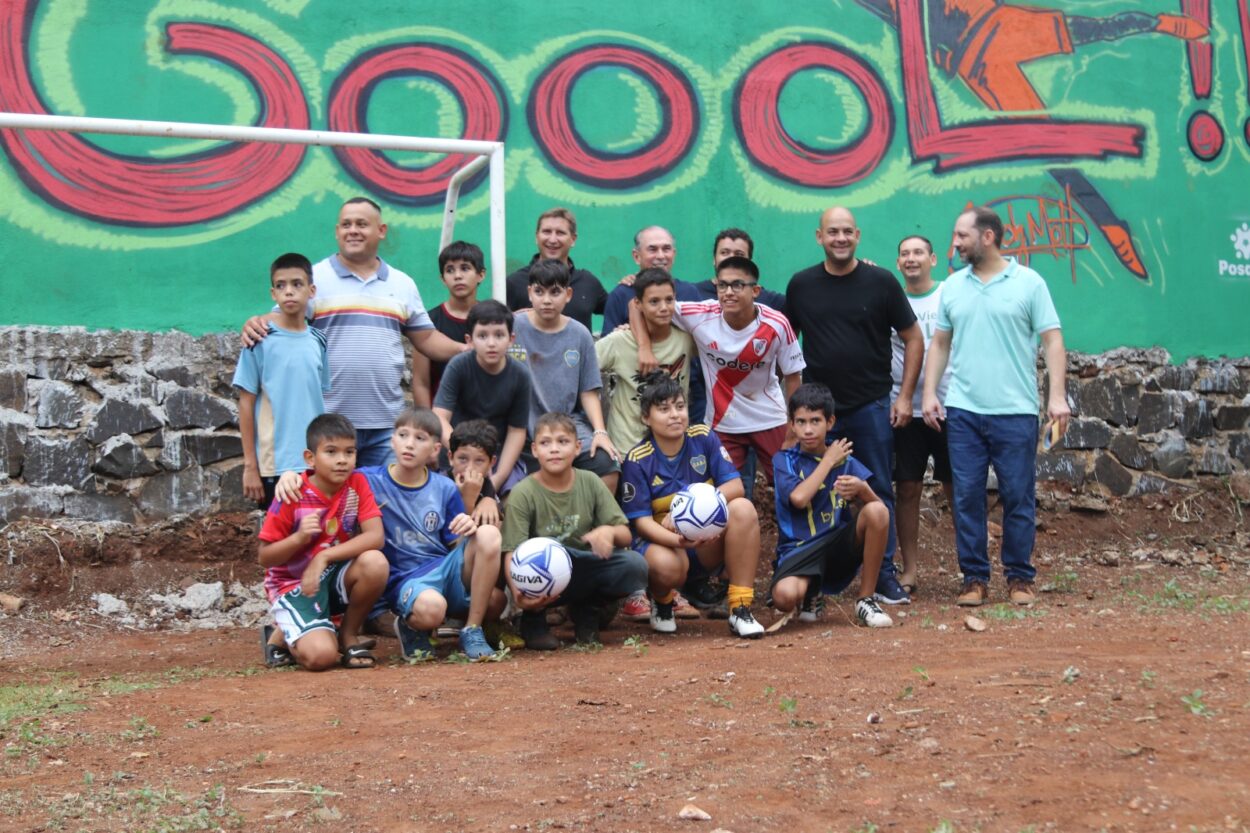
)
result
[(826, 512), (288, 373), (649, 478), (415, 520)]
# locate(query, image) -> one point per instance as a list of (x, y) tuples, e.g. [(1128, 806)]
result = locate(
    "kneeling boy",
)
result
[(441, 561), (575, 508), (821, 539), (672, 456), (317, 567)]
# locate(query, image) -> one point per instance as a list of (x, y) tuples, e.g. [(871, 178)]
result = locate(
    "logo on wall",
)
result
[(1241, 246)]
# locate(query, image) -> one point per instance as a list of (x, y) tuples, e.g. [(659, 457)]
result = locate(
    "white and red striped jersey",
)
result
[(740, 366)]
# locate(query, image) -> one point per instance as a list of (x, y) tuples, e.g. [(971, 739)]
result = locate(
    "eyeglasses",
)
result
[(736, 286)]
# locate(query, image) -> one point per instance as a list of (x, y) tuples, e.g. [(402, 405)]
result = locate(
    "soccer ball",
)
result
[(540, 568), (699, 512)]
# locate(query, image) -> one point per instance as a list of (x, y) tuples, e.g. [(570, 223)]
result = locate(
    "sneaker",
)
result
[(449, 629), (662, 620), (382, 624), (637, 608), (413, 644), (473, 643), (682, 608), (536, 632), (701, 593), (720, 610), (743, 624), (890, 592), (585, 623), (1020, 591), (503, 634), (973, 594), (813, 608), (870, 614)]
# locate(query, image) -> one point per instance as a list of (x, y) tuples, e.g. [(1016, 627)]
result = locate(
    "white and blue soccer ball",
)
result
[(540, 568), (699, 512)]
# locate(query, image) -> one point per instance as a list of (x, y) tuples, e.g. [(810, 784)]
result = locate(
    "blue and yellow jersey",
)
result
[(649, 478), (825, 512)]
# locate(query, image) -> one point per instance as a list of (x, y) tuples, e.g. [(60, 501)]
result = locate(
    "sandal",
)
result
[(358, 656), (276, 656)]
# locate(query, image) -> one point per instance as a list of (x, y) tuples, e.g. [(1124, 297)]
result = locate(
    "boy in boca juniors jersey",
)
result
[(742, 346), (673, 455)]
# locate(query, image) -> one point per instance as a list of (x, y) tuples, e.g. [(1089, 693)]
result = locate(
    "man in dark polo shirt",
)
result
[(844, 310), (555, 235)]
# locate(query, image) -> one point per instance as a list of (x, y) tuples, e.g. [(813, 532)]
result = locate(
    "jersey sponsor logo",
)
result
[(699, 464), (733, 364), (431, 521), (628, 493), (572, 357)]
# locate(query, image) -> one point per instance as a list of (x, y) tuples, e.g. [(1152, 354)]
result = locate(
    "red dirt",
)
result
[(1082, 714)]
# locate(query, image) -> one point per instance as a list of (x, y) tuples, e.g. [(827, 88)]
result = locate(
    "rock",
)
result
[(1108, 558), (100, 508), (1214, 460), (118, 416), (23, 502), (107, 604), (931, 745), (1089, 503), (1220, 377), (1148, 484), (1239, 448), (874, 718), (1103, 398), (693, 813), (1172, 457), (196, 409), (13, 389), (1239, 483), (229, 490), (174, 493), (120, 457), (1108, 472), (11, 604), (1064, 466), (1174, 377), (180, 375), (174, 454), (13, 429), (1196, 421), (1128, 451), (209, 448), (1174, 558), (1084, 432), (157, 440), (975, 624), (198, 599), (1158, 411), (1132, 401), (60, 406), (1232, 417), (54, 461)]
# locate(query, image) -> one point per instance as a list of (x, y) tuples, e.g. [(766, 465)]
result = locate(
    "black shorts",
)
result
[(833, 558), (598, 463), (914, 444)]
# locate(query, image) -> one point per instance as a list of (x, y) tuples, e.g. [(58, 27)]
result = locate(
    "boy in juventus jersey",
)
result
[(741, 347)]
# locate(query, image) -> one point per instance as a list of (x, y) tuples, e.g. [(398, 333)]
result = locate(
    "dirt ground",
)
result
[(1118, 702)]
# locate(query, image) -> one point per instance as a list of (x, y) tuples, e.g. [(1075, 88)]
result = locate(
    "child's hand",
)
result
[(311, 582), (840, 449), (287, 488), (253, 489), (486, 512), (647, 362), (848, 487), (310, 525), (462, 525), (469, 482), (683, 542), (600, 541)]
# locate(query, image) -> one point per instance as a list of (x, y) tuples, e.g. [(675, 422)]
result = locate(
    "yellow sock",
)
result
[(740, 596), (667, 598)]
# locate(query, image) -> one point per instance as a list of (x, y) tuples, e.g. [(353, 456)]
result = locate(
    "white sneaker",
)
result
[(870, 614), (662, 619), (743, 624)]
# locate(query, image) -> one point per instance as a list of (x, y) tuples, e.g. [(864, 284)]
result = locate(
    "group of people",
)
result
[(837, 390)]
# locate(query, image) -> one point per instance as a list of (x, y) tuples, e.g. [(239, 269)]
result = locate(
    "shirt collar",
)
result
[(340, 269), (539, 256)]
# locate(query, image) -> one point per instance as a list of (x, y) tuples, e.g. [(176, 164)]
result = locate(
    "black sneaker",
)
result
[(536, 632), (704, 595), (813, 607), (585, 623)]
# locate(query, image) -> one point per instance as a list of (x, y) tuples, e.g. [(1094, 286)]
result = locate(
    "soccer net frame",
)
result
[(485, 153)]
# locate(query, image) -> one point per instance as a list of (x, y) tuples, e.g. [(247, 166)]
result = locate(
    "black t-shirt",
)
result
[(469, 392), (589, 296), (452, 327), (845, 322)]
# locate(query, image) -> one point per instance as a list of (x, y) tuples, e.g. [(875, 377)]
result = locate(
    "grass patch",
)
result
[(155, 809), (1004, 612)]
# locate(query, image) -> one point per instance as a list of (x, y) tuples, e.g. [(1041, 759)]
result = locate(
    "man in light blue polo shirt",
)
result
[(989, 321), (366, 307)]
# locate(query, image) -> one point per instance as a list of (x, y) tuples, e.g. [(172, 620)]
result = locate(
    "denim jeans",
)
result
[(868, 429), (373, 447), (1009, 443)]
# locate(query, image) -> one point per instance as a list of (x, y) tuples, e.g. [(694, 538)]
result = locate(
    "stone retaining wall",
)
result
[(137, 426)]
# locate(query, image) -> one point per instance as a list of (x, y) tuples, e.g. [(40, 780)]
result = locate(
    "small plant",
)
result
[(637, 766), (907, 693), (457, 658), (944, 826), (419, 657), (587, 647), (718, 700), (1071, 674), (926, 622), (866, 827), (922, 673), (1195, 704), (502, 654), (1005, 612), (1148, 678), (637, 644), (769, 691), (139, 730), (789, 705)]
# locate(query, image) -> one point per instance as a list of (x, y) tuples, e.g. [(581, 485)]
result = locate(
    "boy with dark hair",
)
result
[(474, 449), (830, 524), (564, 369), (280, 382), (488, 383), (322, 557), (441, 561), (674, 455), (575, 508), (462, 268)]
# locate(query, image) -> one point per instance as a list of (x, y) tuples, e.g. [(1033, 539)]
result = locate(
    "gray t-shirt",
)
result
[(562, 366), (470, 392)]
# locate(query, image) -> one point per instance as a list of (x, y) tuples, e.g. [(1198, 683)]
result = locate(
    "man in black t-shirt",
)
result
[(556, 235), (844, 310)]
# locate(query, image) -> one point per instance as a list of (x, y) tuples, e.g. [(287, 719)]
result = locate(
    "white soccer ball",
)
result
[(699, 512), (540, 568)]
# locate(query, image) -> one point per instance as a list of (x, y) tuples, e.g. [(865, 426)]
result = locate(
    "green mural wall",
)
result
[(1114, 137)]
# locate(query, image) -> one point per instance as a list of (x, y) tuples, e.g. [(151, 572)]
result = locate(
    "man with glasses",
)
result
[(742, 345)]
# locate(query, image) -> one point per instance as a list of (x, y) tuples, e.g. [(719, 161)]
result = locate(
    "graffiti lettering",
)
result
[(1036, 225)]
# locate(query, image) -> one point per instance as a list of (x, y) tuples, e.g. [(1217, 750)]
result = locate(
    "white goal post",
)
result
[(486, 153)]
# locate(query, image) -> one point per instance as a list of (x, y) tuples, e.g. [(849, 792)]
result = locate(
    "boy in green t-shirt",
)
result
[(575, 508)]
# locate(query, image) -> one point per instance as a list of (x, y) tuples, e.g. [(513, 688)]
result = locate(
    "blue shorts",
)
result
[(444, 578)]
